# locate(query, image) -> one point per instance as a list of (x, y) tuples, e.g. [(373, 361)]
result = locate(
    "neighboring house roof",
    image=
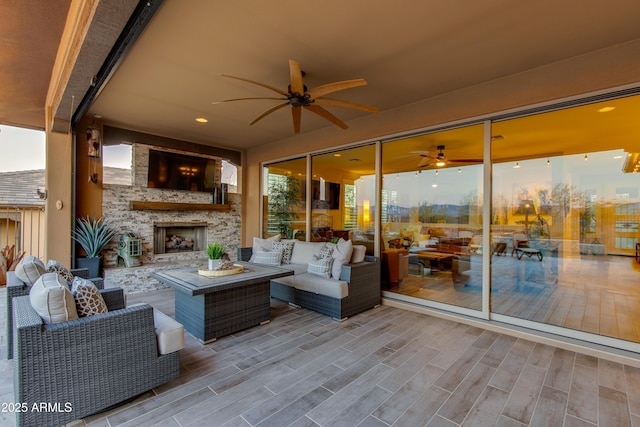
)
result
[(19, 188)]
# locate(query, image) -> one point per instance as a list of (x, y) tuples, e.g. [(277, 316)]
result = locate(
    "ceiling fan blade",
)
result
[(295, 77), (330, 102), (269, 111), (245, 99), (275, 89), (326, 115), (296, 114), (319, 91), (465, 161), (425, 161)]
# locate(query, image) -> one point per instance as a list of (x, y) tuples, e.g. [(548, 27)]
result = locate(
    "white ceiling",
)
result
[(407, 51)]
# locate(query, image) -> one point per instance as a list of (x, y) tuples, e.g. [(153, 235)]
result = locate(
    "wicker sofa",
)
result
[(17, 288), (88, 364), (360, 282)]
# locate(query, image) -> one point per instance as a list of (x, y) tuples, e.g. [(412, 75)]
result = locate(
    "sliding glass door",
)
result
[(431, 216), (565, 210)]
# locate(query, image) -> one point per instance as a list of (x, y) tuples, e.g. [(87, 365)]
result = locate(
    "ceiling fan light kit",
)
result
[(299, 97)]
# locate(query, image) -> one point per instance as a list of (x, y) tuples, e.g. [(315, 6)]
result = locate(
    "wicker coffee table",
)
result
[(212, 307)]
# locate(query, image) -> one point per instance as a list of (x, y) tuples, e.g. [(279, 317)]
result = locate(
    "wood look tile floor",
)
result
[(384, 367)]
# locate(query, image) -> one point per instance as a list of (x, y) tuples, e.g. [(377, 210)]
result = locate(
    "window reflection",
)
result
[(284, 199), (568, 261), (343, 196), (431, 216)]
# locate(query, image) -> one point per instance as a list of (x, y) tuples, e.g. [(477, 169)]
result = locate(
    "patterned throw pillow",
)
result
[(54, 266), (268, 257), (320, 266), (326, 251), (87, 297), (286, 246)]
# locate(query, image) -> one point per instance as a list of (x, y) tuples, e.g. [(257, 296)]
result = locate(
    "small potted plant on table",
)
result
[(215, 252)]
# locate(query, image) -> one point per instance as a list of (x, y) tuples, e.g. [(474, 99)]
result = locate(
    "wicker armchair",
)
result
[(17, 288), (88, 364)]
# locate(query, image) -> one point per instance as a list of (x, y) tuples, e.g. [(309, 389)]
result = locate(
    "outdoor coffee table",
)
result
[(212, 307)]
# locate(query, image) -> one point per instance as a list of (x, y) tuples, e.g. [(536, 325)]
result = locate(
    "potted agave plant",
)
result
[(214, 252), (92, 234)]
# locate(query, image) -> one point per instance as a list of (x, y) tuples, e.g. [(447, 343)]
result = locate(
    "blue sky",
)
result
[(21, 149)]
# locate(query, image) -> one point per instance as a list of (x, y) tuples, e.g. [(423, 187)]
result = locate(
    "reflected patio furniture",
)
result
[(519, 240), (529, 252)]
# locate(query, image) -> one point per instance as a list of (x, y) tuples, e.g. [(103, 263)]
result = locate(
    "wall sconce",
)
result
[(94, 150)]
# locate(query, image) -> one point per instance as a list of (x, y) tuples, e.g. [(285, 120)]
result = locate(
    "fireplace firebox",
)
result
[(172, 237)]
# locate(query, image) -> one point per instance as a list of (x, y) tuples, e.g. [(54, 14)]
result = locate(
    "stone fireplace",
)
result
[(188, 218), (171, 237)]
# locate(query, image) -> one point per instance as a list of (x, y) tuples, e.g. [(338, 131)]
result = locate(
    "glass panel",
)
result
[(116, 164), (568, 218), (431, 216), (284, 199), (229, 176), (343, 196)]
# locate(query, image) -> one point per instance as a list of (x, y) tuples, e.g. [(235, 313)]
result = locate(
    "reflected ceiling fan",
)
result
[(440, 160), (299, 97)]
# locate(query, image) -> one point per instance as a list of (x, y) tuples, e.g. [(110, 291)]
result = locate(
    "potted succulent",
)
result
[(215, 252), (92, 234)]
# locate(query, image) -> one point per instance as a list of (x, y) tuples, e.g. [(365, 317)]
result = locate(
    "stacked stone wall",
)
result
[(222, 226)]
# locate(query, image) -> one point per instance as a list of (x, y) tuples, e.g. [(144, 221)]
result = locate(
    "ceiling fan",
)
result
[(440, 160), (299, 97)]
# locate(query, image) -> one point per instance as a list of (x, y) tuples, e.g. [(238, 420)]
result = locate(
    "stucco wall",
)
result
[(597, 71)]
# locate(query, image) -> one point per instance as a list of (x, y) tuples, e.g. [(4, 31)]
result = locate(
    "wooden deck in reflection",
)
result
[(596, 294)]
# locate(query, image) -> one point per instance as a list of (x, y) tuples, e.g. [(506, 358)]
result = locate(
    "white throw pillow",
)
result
[(320, 266), (268, 257), (29, 269), (263, 244), (341, 256), (51, 298)]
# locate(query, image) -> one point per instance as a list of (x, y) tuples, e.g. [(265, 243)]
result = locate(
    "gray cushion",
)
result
[(318, 285), (29, 269), (51, 298)]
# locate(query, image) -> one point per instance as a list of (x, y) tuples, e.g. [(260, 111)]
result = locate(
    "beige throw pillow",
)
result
[(51, 299), (29, 269)]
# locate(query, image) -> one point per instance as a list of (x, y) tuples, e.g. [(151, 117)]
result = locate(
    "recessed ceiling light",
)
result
[(337, 155), (606, 109), (201, 120)]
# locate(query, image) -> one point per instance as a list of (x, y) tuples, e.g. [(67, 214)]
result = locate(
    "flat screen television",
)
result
[(327, 199), (174, 171)]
